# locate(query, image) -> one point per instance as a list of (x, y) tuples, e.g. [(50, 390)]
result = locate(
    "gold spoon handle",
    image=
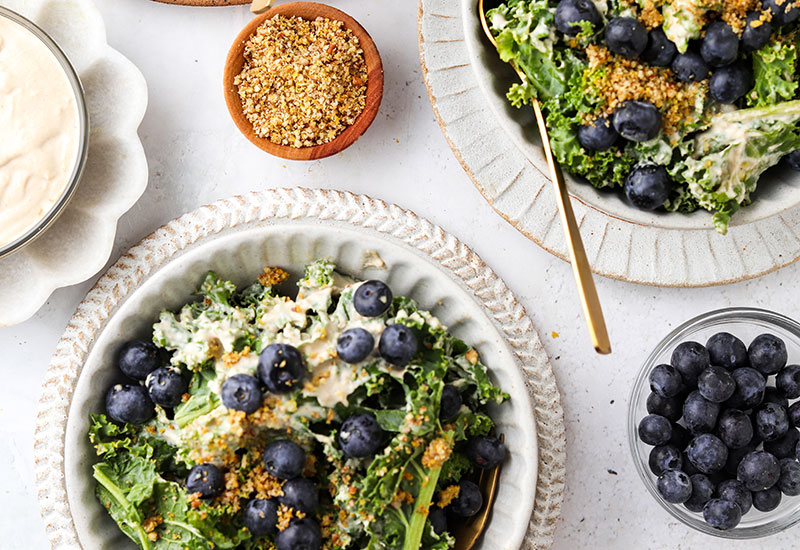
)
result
[(590, 302)]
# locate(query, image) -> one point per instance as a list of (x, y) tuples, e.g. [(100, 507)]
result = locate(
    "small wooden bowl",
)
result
[(374, 93)]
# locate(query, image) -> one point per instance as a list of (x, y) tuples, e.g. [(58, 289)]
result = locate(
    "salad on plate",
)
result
[(341, 418), (681, 103)]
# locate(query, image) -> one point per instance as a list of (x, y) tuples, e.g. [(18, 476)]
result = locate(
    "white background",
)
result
[(196, 155)]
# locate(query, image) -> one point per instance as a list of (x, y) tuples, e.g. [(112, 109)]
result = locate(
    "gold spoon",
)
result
[(580, 263), (469, 531), (260, 6)]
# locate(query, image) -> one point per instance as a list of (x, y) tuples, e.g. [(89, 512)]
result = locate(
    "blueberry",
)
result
[(302, 534), (670, 408), (647, 187), (665, 380), (599, 135), (750, 386), (450, 403), (674, 486), (726, 350), (708, 453), (773, 395), (438, 518), (783, 447), (129, 404), (794, 414), (690, 358), (485, 452), (699, 414), (398, 345), (372, 298), (767, 500), (702, 491), (690, 67), (205, 479), (637, 120), (731, 82), (261, 516), (688, 468), (734, 428), (767, 354), (166, 386), (735, 491), (716, 384), (360, 435), (280, 367), (625, 36), (788, 381), (663, 458), (655, 430), (793, 160), (354, 345), (569, 13), (680, 436), (284, 459), (720, 45), (469, 500), (756, 32), (241, 392), (758, 470), (301, 494), (137, 359), (771, 422), (722, 514), (783, 11), (660, 51), (789, 482)]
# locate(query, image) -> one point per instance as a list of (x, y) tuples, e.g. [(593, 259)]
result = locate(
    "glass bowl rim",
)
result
[(83, 133), (773, 526)]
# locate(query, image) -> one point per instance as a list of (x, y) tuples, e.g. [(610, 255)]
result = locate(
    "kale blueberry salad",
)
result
[(682, 103), (344, 418)]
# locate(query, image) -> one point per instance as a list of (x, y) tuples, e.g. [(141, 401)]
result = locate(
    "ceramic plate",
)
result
[(78, 244), (289, 227), (500, 148)]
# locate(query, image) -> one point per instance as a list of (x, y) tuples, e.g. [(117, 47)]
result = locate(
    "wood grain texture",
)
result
[(207, 3), (374, 94)]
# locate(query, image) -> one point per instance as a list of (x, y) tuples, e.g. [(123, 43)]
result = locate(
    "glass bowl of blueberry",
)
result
[(714, 423)]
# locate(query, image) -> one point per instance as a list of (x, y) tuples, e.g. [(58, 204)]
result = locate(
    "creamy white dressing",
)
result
[(39, 130)]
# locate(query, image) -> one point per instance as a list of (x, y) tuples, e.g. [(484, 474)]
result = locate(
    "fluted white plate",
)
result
[(78, 244), (500, 148), (289, 227)]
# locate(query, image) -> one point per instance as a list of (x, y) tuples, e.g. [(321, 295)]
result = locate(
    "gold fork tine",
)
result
[(468, 533)]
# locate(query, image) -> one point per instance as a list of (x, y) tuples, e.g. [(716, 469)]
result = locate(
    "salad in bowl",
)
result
[(683, 104), (341, 418)]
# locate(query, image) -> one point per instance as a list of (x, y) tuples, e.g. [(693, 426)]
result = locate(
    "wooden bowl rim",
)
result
[(350, 134)]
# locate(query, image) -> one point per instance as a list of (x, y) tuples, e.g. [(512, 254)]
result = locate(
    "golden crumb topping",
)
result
[(272, 276), (437, 453), (448, 495)]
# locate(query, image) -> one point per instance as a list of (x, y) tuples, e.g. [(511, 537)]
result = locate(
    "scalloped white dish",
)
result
[(287, 228), (78, 244), (500, 149)]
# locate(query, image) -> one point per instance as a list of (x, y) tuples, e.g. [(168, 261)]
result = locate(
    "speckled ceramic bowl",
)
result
[(746, 324), (288, 228)]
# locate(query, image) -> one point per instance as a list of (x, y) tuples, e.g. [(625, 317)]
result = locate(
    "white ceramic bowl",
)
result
[(500, 149), (169, 267)]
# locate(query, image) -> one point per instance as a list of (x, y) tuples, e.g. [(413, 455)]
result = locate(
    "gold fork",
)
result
[(590, 302), (468, 532)]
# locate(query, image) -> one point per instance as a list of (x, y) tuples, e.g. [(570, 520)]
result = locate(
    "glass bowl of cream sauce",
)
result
[(44, 129)]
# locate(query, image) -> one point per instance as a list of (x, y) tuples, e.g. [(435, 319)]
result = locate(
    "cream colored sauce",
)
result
[(39, 130)]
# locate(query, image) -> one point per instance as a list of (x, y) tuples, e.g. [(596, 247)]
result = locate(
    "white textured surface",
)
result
[(500, 148), (78, 244), (196, 156)]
